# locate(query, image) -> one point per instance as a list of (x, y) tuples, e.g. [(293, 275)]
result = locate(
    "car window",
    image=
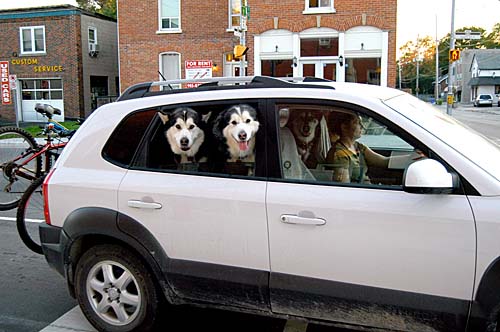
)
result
[(215, 139), (331, 144), (123, 142)]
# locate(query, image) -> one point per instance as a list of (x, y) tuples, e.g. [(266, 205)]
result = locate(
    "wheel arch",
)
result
[(486, 304), (90, 226)]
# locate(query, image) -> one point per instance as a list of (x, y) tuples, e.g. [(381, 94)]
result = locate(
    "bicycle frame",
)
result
[(42, 150)]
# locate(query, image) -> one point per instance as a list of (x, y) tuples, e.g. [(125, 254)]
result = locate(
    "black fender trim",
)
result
[(486, 305), (93, 222)]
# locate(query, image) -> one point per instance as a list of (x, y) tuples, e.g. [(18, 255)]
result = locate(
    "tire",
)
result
[(13, 143), (29, 214), (100, 292)]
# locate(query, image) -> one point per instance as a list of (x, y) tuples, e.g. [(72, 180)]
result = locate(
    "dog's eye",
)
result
[(178, 126), (248, 121), (234, 123), (191, 126)]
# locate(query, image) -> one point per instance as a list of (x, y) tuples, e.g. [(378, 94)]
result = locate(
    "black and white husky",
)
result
[(235, 130), (184, 134)]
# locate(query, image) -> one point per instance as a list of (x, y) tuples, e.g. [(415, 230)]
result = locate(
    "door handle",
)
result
[(143, 205), (298, 220)]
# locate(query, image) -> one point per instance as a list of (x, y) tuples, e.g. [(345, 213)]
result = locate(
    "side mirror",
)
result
[(429, 176)]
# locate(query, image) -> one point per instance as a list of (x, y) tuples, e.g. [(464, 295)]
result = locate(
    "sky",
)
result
[(415, 17)]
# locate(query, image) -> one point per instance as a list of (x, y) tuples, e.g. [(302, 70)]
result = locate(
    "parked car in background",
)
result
[(483, 100), (224, 196)]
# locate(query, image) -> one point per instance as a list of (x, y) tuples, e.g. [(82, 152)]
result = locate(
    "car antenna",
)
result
[(163, 77)]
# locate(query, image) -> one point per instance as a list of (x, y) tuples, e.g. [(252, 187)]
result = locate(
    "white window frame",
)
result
[(32, 36), (160, 19), (319, 10), (230, 15), (95, 35), (160, 65)]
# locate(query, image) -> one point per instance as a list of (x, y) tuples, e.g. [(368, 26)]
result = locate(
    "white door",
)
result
[(354, 253), (211, 225), (46, 91), (319, 68)]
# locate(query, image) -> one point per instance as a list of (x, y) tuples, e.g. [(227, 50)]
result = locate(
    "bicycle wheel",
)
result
[(16, 146), (30, 215)]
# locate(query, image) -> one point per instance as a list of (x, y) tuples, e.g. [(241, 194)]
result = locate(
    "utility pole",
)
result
[(399, 65), (436, 87), (418, 74), (243, 29), (451, 65)]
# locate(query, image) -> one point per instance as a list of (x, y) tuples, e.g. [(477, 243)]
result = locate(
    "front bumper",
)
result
[(54, 243)]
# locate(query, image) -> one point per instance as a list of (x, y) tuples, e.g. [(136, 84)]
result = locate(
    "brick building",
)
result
[(61, 55), (343, 40)]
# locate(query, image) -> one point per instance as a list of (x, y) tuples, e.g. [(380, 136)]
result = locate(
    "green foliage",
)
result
[(104, 7), (36, 131), (425, 48)]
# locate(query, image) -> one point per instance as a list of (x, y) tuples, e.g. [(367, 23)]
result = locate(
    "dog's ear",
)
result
[(206, 117), (163, 117)]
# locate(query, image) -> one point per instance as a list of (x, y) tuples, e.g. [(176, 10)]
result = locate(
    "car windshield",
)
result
[(484, 97), (471, 144)]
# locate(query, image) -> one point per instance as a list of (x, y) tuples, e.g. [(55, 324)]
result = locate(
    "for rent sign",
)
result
[(197, 69), (4, 81)]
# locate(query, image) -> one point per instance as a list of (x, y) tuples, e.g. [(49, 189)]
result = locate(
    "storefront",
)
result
[(356, 55)]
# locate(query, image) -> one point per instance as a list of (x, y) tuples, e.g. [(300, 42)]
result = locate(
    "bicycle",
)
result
[(23, 160)]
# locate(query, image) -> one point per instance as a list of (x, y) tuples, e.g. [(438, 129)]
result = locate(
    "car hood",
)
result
[(474, 146)]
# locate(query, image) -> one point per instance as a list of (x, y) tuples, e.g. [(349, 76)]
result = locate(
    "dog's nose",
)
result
[(242, 136), (184, 141)]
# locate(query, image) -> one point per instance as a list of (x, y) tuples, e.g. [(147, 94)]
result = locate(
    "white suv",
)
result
[(261, 197)]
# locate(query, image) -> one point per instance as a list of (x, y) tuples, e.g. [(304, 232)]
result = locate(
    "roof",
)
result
[(48, 11), (484, 81), (488, 59)]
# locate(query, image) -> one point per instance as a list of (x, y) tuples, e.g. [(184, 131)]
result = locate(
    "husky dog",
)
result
[(184, 134), (305, 128), (235, 129)]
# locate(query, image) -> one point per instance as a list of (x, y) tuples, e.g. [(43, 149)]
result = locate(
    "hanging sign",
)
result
[(4, 83)]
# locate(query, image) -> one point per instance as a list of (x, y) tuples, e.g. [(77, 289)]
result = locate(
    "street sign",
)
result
[(13, 82), (4, 83), (454, 55), (450, 99), (468, 34)]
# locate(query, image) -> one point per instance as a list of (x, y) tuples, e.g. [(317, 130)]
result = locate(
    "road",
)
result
[(32, 295)]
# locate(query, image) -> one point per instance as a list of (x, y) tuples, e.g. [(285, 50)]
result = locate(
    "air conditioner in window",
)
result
[(325, 42), (93, 49)]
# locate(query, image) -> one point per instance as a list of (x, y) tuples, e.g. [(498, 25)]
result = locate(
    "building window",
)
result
[(93, 45), (170, 15), (32, 39), (319, 47), (363, 70), (234, 13), (319, 6), (170, 67), (42, 89)]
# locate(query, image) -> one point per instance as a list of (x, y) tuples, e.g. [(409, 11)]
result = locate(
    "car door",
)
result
[(368, 254), (212, 225)]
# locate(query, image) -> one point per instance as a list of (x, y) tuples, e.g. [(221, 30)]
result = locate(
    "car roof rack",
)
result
[(146, 89)]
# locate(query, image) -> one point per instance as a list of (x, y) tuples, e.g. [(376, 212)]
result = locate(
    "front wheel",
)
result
[(30, 213), (17, 171), (115, 290)]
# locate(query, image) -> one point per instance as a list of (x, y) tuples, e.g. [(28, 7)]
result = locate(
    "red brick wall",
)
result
[(204, 35), (62, 40)]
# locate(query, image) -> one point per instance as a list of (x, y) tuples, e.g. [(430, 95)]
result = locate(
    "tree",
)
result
[(426, 49), (104, 7)]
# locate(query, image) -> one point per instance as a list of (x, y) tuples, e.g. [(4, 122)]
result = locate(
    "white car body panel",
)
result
[(203, 219), (381, 238), (488, 232)]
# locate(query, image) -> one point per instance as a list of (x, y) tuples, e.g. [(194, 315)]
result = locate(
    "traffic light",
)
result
[(454, 55), (240, 51)]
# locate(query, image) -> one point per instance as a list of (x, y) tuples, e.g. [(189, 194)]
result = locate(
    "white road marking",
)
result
[(72, 321), (28, 219)]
